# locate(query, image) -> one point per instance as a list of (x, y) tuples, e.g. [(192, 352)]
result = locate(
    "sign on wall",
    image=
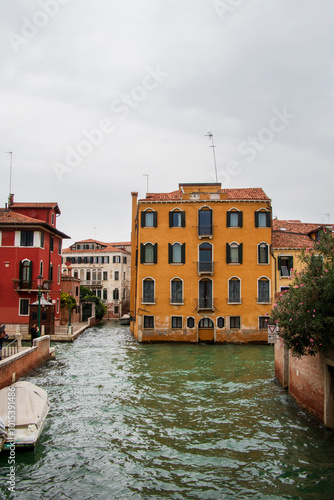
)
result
[(272, 334)]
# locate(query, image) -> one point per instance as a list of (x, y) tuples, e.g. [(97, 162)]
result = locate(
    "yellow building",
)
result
[(289, 237), (201, 265)]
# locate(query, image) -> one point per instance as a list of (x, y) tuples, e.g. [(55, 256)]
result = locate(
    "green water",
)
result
[(137, 421)]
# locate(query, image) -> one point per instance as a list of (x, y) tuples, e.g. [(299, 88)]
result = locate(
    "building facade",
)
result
[(104, 268), (201, 265), (30, 246)]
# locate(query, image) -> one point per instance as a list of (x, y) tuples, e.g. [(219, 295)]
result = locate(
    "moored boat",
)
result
[(125, 319), (23, 408)]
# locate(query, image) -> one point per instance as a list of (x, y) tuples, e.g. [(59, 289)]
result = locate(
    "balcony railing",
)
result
[(205, 231), (10, 349), (96, 283), (31, 285), (204, 304), (205, 267)]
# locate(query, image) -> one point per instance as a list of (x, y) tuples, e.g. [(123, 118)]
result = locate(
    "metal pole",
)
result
[(210, 135), (39, 310)]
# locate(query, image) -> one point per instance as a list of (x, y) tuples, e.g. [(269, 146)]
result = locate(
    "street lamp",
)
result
[(69, 310), (39, 286)]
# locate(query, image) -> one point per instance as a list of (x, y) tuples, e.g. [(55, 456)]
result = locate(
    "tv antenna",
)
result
[(10, 153), (210, 135)]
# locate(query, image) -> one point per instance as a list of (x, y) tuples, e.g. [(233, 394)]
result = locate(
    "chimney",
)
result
[(10, 200)]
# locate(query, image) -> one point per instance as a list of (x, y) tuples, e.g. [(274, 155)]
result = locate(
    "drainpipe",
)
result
[(275, 269)]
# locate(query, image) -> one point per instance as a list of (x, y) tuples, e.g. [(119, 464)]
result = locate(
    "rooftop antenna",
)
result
[(146, 175), (210, 135), (10, 153)]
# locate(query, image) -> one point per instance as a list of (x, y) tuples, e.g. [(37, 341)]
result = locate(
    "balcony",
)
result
[(205, 304), (205, 267), (30, 286), (93, 283), (204, 231)]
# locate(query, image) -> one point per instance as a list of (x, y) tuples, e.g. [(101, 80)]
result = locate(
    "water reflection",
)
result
[(133, 421)]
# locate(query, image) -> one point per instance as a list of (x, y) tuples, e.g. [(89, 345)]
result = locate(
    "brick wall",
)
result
[(22, 363)]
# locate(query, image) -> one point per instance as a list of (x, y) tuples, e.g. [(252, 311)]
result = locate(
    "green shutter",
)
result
[(170, 219), (279, 263), (228, 254), (170, 253), (183, 219), (142, 253), (155, 253), (256, 219), (268, 214), (290, 263), (155, 219), (228, 219), (183, 253), (240, 253), (240, 219), (142, 216)]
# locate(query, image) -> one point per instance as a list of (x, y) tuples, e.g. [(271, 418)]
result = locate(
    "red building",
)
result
[(30, 246)]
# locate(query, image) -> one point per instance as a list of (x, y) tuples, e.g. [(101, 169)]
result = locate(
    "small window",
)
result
[(263, 295), (176, 291), (176, 253), (149, 218), (148, 253), (125, 260), (234, 218), (27, 239), (105, 294), (263, 253), (52, 219), (285, 266), (115, 309), (59, 247), (234, 253), (24, 307), (176, 321), (116, 275), (148, 291), (42, 239), (262, 219), (148, 321), (220, 322), (105, 275), (234, 321), (51, 243), (176, 218), (116, 259), (234, 290), (190, 322), (263, 322)]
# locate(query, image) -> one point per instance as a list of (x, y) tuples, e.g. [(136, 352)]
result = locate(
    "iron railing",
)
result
[(205, 267), (205, 304), (204, 230)]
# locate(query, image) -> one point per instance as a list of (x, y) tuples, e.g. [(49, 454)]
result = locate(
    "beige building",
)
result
[(104, 268)]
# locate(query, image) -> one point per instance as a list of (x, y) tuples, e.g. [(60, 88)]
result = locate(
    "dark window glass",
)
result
[(176, 321), (148, 321), (24, 307), (220, 322), (263, 253), (234, 290), (27, 239), (177, 291), (263, 290), (263, 322), (148, 291), (190, 322), (235, 322), (205, 222)]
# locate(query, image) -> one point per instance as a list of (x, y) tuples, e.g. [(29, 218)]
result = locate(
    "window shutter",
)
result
[(228, 254), (143, 215), (268, 215), (183, 219), (279, 263), (155, 219), (240, 218), (240, 253), (170, 253), (155, 253), (290, 262), (21, 270), (256, 219), (142, 253), (170, 219), (228, 219), (30, 273), (183, 253)]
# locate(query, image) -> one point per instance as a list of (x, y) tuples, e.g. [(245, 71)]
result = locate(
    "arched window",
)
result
[(234, 218), (148, 253), (82, 274), (205, 221), (176, 218), (262, 218), (176, 291), (115, 294), (263, 290), (94, 275), (190, 322), (234, 289), (234, 253), (263, 253), (220, 322), (25, 273), (148, 291), (205, 300), (176, 253), (205, 323), (205, 264), (149, 218)]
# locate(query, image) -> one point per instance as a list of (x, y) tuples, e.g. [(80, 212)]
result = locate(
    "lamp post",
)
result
[(69, 310), (39, 286)]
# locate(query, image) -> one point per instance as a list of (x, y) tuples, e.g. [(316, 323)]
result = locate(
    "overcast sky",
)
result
[(95, 94)]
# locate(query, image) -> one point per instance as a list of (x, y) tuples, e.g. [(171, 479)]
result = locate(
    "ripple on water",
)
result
[(134, 421)]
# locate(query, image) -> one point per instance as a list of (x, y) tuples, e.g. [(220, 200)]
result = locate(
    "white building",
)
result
[(104, 268)]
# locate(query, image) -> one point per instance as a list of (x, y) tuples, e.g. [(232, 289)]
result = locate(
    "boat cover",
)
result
[(30, 401)]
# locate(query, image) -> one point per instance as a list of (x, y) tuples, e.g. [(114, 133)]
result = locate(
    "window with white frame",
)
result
[(149, 218), (176, 253), (148, 321), (263, 253), (234, 253), (234, 218), (148, 253), (148, 291), (234, 321), (263, 287), (176, 218), (27, 239), (234, 290), (176, 291), (262, 218), (176, 321)]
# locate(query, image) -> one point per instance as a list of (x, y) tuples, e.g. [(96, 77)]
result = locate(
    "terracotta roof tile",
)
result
[(232, 194), (292, 234), (10, 217)]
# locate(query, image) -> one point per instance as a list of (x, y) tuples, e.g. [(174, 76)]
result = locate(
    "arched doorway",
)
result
[(206, 330)]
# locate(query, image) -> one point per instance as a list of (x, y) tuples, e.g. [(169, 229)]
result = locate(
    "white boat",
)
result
[(23, 408), (125, 319), (3, 433)]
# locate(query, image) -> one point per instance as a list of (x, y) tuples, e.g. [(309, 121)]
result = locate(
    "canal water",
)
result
[(170, 421)]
